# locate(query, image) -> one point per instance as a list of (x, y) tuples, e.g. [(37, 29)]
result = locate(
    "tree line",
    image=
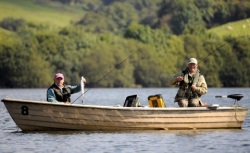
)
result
[(118, 44)]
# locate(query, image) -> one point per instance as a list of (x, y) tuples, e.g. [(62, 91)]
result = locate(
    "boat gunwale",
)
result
[(123, 108)]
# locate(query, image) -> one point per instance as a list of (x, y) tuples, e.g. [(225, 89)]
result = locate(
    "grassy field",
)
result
[(238, 28), (30, 10)]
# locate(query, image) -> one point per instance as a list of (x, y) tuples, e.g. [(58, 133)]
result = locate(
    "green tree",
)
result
[(96, 22), (122, 14), (182, 16), (104, 67), (229, 71), (235, 71), (23, 69), (206, 9)]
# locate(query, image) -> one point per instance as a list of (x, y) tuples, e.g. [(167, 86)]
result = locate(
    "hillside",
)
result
[(39, 12), (235, 29), (38, 39), (57, 14)]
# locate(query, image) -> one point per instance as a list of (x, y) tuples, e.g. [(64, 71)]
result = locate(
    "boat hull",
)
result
[(45, 116)]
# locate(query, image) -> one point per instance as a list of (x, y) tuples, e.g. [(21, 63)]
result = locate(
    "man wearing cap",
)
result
[(192, 86), (59, 92)]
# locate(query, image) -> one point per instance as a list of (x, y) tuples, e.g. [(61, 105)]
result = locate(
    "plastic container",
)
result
[(156, 101)]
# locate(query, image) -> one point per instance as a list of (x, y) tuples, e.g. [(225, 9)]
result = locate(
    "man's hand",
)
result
[(179, 78), (193, 87), (84, 80)]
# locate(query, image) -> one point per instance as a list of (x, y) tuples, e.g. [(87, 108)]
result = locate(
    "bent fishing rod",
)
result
[(211, 53), (115, 67)]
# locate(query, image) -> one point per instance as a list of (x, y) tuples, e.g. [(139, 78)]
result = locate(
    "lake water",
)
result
[(195, 141)]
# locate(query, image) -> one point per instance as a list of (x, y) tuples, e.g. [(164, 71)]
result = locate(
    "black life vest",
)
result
[(187, 82), (62, 95)]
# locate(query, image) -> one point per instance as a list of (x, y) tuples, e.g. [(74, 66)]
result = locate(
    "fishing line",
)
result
[(115, 67), (211, 53)]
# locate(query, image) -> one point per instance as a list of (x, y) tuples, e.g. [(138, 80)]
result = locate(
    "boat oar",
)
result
[(233, 96), (220, 96), (236, 97)]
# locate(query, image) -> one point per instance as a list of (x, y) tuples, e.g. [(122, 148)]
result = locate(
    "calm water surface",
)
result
[(195, 141)]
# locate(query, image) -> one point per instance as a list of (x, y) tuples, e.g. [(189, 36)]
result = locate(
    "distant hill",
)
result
[(57, 14), (237, 28), (40, 11)]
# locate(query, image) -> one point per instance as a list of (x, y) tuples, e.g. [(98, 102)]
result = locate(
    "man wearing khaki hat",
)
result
[(192, 86)]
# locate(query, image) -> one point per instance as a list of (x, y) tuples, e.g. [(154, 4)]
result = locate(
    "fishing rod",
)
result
[(211, 53), (115, 67), (232, 40)]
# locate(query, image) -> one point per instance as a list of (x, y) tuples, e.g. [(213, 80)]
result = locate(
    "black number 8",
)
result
[(25, 110)]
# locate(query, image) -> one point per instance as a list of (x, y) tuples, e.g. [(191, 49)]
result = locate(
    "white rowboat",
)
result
[(30, 115)]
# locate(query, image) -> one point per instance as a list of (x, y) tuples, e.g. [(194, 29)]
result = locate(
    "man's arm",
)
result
[(202, 89), (175, 80), (51, 95), (75, 89)]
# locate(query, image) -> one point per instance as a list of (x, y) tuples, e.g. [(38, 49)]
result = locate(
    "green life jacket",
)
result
[(187, 82), (62, 95)]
